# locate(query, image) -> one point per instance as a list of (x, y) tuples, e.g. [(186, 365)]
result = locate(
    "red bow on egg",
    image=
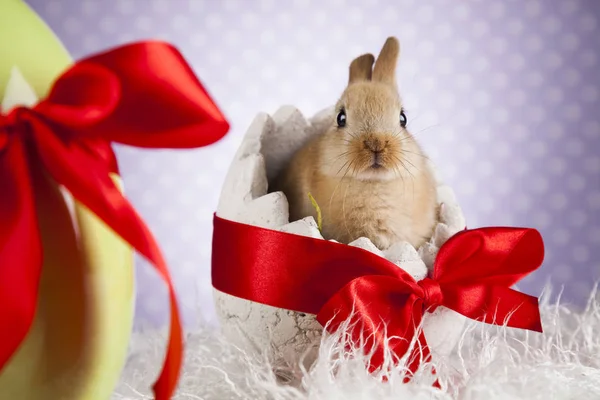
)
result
[(473, 273), (144, 95)]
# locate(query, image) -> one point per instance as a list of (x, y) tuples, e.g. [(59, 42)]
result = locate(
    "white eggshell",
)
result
[(287, 335)]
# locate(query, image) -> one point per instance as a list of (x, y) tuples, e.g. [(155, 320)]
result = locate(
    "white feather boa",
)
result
[(489, 363)]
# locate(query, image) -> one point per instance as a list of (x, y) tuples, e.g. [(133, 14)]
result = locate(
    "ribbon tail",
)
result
[(496, 305), (87, 179), (20, 249)]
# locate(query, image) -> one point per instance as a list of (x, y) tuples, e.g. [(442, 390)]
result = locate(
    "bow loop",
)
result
[(432, 294), (83, 96)]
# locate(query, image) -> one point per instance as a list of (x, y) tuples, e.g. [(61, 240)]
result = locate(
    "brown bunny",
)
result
[(366, 172)]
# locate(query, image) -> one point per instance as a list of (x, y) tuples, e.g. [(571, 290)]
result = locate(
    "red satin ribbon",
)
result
[(144, 95), (472, 275)]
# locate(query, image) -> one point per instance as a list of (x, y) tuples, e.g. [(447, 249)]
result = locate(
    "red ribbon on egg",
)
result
[(472, 275)]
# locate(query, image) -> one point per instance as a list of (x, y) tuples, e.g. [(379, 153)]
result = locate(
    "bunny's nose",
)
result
[(375, 145)]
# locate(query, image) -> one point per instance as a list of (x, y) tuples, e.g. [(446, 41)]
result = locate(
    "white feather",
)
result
[(490, 363)]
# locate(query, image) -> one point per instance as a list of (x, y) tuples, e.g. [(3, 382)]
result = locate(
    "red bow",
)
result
[(472, 275), (144, 95)]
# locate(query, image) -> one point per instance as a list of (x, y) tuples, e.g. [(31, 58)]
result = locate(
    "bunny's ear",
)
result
[(385, 66), (361, 68)]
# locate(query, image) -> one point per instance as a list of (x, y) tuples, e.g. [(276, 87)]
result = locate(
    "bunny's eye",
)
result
[(341, 118), (403, 119)]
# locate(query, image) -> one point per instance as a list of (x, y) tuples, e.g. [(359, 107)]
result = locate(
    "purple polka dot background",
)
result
[(504, 96)]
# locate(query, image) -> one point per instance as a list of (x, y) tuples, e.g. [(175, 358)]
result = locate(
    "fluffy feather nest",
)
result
[(490, 362)]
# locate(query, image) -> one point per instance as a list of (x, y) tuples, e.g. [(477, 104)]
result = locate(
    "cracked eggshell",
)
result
[(287, 336)]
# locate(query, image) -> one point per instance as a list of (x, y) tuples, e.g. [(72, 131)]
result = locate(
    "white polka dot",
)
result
[(539, 148), (589, 94), (53, 7), (551, 24), (542, 219), (534, 79), (480, 28), (576, 182), (561, 236), (520, 132), (517, 98), (427, 48), (267, 5), (537, 114), (447, 100), (425, 13), (521, 201), (149, 199), (588, 58), (569, 42), (143, 23), (568, 7), (593, 200), (592, 164), (466, 152), (445, 66), (516, 62), (558, 201), (532, 8), (444, 30), (160, 6), (515, 27), (534, 43), (481, 64), (500, 115), (461, 11), (320, 18), (574, 147), (354, 16), (462, 47), (498, 46), (581, 253), (485, 168), (521, 167), (540, 185), (502, 150), (481, 99), (588, 23), (497, 10), (577, 218), (562, 273), (555, 131), (591, 129), (594, 234), (553, 60), (409, 31), (89, 8), (500, 80), (429, 83), (555, 95), (503, 185), (486, 203), (572, 77), (557, 165), (467, 187), (573, 112), (73, 26), (123, 7), (108, 24), (213, 21), (464, 117)]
